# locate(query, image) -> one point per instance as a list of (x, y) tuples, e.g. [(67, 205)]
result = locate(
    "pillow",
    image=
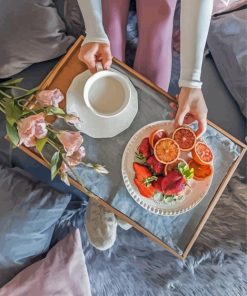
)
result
[(29, 211), (62, 272), (70, 12), (221, 6), (31, 32), (227, 44)]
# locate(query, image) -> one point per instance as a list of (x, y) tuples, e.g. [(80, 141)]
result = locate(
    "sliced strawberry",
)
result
[(144, 148), (143, 189), (141, 171), (157, 184), (155, 165), (171, 178), (173, 183), (176, 187)]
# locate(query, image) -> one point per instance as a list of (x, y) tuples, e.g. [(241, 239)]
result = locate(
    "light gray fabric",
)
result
[(28, 214), (31, 31), (62, 272), (135, 266), (227, 44)]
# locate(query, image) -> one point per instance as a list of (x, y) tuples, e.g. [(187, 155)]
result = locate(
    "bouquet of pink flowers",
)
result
[(27, 126)]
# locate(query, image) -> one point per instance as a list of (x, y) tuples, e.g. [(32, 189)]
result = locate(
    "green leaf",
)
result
[(56, 163), (55, 110), (139, 158), (40, 144), (186, 171), (169, 198), (148, 181), (12, 133), (12, 112)]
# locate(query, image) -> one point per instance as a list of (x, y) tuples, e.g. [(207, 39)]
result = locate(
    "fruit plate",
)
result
[(191, 195)]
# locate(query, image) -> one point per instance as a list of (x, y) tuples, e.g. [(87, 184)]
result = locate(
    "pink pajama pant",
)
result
[(155, 24)]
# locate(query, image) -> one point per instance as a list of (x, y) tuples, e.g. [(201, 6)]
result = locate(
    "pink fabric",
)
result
[(62, 272), (155, 24), (227, 5)]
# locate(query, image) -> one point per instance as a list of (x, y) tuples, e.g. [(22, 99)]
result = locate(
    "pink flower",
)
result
[(76, 157), (50, 97), (71, 141), (30, 128), (73, 160)]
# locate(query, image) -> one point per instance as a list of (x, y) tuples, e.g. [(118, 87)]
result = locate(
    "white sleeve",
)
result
[(195, 21), (92, 15)]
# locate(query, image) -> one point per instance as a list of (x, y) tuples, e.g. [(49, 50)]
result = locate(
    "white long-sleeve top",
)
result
[(195, 20)]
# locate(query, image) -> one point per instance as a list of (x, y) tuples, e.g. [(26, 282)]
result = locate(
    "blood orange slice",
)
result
[(173, 166), (166, 151), (202, 154), (156, 136), (200, 171), (185, 137)]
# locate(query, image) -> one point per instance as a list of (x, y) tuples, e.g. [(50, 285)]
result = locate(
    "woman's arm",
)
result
[(95, 47), (195, 21), (92, 15)]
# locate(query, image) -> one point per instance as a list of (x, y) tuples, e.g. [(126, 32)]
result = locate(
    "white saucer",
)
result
[(91, 124)]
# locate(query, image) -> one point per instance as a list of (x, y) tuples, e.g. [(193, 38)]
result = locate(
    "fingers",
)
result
[(174, 106), (106, 58), (189, 119), (88, 56), (179, 119), (202, 126)]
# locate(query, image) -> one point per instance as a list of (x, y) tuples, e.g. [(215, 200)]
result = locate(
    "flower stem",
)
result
[(74, 173), (2, 109), (14, 87), (5, 95), (11, 82), (53, 144), (51, 129)]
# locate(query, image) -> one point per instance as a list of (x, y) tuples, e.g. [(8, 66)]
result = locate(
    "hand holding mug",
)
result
[(94, 52)]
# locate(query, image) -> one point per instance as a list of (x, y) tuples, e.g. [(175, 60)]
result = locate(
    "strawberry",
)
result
[(173, 183), (143, 189), (157, 184), (176, 187), (144, 148), (155, 165), (141, 171)]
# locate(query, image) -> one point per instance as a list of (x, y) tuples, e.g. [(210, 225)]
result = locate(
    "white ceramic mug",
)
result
[(107, 94)]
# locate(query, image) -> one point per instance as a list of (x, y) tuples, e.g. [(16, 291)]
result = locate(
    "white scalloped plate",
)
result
[(191, 197)]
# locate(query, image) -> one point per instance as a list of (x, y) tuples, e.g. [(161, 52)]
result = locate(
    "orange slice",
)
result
[(156, 136), (202, 154), (185, 137), (173, 166), (166, 151), (200, 171)]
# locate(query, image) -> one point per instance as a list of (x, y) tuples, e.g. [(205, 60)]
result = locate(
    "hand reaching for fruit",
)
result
[(191, 107)]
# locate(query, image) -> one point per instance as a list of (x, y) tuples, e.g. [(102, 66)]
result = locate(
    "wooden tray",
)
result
[(61, 77)]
